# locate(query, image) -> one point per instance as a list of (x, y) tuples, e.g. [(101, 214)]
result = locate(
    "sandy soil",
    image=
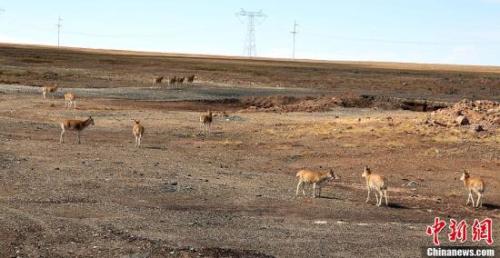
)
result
[(77, 68), (231, 193), (184, 193)]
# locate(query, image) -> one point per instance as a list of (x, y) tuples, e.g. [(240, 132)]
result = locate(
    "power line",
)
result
[(97, 35), (401, 42), (252, 18), (294, 33), (59, 25)]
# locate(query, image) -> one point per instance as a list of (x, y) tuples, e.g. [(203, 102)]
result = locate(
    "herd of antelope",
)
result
[(175, 80), (374, 182), (79, 125), (378, 184)]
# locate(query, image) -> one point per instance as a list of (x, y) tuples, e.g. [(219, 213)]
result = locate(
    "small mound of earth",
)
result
[(289, 104), (326, 103), (479, 114)]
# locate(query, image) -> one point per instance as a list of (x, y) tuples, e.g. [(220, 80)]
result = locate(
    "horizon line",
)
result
[(381, 63)]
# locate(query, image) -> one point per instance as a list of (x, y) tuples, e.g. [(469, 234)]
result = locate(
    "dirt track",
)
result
[(231, 193), (190, 93)]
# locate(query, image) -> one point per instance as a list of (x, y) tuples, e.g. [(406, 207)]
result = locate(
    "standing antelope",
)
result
[(317, 179), (190, 79), (69, 99), (173, 81), (75, 125), (48, 89), (138, 132), (158, 80), (377, 183), (476, 185), (206, 121)]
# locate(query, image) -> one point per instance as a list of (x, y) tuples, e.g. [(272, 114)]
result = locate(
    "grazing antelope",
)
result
[(377, 183), (317, 179), (476, 185), (138, 132), (158, 80), (206, 121), (190, 79), (75, 125), (69, 99), (48, 89)]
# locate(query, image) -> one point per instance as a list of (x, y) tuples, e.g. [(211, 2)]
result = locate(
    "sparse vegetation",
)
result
[(184, 194)]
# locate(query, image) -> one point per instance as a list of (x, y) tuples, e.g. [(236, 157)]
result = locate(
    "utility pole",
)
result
[(59, 25), (252, 19), (294, 33)]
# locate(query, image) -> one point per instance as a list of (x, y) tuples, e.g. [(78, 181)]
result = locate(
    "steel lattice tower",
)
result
[(252, 22)]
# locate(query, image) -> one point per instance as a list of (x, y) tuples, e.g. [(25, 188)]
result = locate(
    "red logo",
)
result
[(481, 230), (458, 231), (435, 229)]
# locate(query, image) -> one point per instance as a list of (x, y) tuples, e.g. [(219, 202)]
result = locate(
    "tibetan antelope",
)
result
[(377, 183), (74, 125), (158, 80), (190, 79), (181, 80), (69, 99), (138, 132), (473, 184), (173, 80), (206, 121), (48, 89), (317, 179)]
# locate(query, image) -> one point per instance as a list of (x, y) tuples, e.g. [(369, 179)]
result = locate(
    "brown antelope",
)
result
[(190, 79), (181, 80), (48, 89), (317, 179), (206, 121), (69, 99), (138, 132), (75, 125), (377, 183), (173, 80), (473, 184), (158, 80)]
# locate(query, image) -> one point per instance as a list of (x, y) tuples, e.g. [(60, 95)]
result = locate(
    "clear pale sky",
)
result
[(429, 31)]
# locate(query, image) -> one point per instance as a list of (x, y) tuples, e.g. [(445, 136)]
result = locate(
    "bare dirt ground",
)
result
[(231, 193), (85, 68)]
